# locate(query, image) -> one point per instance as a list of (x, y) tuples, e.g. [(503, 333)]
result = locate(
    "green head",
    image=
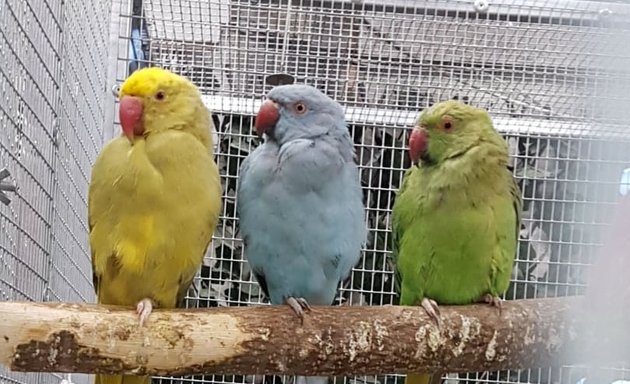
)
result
[(449, 129)]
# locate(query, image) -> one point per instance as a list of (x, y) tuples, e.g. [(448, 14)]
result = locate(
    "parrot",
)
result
[(300, 202), (154, 198), (456, 217)]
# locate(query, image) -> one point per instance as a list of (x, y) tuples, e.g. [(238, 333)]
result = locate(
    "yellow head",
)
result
[(154, 100)]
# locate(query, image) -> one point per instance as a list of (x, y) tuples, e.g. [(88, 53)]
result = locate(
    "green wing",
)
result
[(506, 253), (398, 227)]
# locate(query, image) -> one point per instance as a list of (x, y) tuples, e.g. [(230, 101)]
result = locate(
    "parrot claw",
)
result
[(298, 305), (432, 309), (144, 309), (494, 301)]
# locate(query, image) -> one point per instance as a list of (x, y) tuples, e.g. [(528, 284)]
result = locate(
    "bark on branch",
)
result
[(55, 337)]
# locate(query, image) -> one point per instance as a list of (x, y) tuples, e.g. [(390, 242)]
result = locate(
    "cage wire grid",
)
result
[(554, 75), (53, 60)]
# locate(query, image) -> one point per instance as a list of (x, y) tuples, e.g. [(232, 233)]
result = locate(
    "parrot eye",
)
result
[(300, 108), (160, 95), (447, 123)]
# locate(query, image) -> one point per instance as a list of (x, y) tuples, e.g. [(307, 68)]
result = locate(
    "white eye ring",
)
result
[(300, 108)]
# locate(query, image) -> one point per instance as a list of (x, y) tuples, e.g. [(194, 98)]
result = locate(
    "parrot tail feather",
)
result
[(119, 379), (423, 379)]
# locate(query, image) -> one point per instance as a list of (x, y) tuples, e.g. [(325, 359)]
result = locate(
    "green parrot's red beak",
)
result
[(418, 142)]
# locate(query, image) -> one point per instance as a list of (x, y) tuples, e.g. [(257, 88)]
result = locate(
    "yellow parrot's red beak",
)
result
[(130, 113)]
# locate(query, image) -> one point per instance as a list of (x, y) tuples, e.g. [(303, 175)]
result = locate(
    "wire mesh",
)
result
[(52, 77), (554, 76)]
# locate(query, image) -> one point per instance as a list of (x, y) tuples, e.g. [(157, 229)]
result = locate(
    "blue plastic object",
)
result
[(624, 185)]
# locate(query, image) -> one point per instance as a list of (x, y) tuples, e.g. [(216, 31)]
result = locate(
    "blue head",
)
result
[(298, 111)]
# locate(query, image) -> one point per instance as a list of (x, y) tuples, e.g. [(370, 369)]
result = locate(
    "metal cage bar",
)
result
[(52, 77)]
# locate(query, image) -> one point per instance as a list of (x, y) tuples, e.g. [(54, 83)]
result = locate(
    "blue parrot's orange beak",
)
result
[(267, 117)]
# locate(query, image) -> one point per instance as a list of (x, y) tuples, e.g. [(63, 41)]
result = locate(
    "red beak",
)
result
[(130, 113), (267, 117), (418, 143)]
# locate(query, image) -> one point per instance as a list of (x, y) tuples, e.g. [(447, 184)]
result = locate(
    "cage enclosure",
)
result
[(553, 74)]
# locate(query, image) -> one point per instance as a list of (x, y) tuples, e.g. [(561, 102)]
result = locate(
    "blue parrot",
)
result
[(300, 202)]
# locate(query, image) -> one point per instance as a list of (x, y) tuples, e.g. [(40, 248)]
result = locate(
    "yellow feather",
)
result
[(154, 205)]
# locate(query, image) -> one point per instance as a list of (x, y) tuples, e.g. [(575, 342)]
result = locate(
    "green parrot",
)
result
[(456, 217)]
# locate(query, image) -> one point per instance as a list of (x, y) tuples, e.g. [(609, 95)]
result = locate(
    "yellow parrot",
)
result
[(154, 198)]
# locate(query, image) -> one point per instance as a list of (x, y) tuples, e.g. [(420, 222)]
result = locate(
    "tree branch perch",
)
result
[(54, 337)]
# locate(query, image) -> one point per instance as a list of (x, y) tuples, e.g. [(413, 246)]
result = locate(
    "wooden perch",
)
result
[(54, 337)]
